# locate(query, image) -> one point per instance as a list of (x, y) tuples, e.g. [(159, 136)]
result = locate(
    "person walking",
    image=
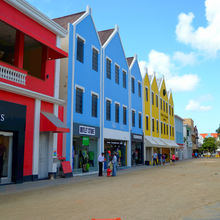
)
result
[(163, 159), (101, 161), (155, 159), (114, 162), (173, 159)]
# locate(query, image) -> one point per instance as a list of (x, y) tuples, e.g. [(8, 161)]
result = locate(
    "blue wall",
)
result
[(136, 101), (112, 90), (179, 130)]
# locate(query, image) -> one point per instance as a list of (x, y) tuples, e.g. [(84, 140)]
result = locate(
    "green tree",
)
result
[(209, 144), (218, 130)]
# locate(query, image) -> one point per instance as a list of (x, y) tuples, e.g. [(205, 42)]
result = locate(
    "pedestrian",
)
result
[(155, 159), (101, 161), (163, 159), (173, 159), (114, 162)]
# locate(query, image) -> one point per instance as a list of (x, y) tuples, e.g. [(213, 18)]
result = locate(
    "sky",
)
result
[(177, 39)]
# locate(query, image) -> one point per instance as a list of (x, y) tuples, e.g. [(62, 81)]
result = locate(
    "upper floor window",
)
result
[(124, 80), (108, 68), (172, 111), (164, 128), (152, 98), (169, 110), (146, 93), (157, 126), (117, 74), (167, 129), (79, 100), (173, 131), (132, 84), (80, 49), (139, 89), (116, 112), (153, 124), (157, 101), (187, 133), (170, 131), (94, 105), (140, 121), (166, 108), (95, 59), (124, 115), (133, 118), (147, 127), (161, 104), (108, 110), (161, 127)]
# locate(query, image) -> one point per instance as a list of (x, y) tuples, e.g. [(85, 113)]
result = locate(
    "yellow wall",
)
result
[(163, 113), (171, 116), (155, 109), (146, 106)]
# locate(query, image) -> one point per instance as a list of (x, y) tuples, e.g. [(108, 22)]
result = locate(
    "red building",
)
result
[(29, 92)]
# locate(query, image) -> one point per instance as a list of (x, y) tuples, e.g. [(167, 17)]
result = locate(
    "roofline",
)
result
[(110, 37), (38, 16), (178, 117)]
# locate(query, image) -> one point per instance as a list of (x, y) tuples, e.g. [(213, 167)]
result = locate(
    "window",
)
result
[(161, 103), (172, 111), (169, 110), (164, 128), (166, 108), (94, 105), (117, 113), (133, 118), (79, 100), (147, 123), (167, 129), (132, 85), (146, 93), (187, 133), (124, 80), (108, 68), (161, 127), (95, 59), (139, 89), (124, 115), (170, 130), (117, 74), (80, 49), (140, 121), (157, 101), (153, 124), (152, 98), (108, 110), (173, 131), (157, 126)]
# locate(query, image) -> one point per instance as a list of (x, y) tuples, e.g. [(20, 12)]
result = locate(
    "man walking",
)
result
[(155, 159), (101, 160)]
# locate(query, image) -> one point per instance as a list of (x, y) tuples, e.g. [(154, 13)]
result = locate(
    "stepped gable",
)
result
[(63, 21), (104, 35)]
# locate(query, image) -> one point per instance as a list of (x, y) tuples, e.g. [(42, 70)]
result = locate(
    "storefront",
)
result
[(12, 141), (137, 151), (85, 148), (115, 146)]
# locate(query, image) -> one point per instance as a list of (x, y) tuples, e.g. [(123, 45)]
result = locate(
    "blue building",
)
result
[(136, 112), (179, 136), (115, 117), (80, 86)]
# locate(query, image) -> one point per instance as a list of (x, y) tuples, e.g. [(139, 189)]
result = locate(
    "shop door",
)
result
[(43, 156), (6, 139)]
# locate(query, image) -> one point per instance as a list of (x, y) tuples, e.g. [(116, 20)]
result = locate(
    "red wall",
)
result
[(46, 107), (29, 130)]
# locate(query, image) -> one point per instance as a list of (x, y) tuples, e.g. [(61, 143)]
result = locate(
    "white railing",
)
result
[(12, 75)]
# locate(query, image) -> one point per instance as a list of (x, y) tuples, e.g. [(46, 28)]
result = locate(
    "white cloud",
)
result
[(184, 59), (205, 39), (187, 82), (143, 67), (194, 105)]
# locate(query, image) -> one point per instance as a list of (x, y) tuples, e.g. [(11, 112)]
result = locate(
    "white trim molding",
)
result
[(107, 99), (82, 38), (95, 48), (80, 87), (94, 93)]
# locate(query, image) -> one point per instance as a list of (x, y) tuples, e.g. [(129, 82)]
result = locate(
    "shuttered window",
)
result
[(94, 105), (95, 59), (80, 49), (79, 100), (108, 68)]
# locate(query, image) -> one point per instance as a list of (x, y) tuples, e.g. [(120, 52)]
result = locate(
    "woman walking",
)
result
[(114, 162)]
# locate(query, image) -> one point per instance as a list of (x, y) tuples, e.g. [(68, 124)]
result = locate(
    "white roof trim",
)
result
[(36, 15)]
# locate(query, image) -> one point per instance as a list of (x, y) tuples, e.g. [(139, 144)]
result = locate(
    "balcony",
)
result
[(12, 73)]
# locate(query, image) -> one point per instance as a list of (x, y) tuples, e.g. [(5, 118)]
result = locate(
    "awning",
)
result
[(150, 141), (56, 53), (170, 143), (160, 142), (50, 122)]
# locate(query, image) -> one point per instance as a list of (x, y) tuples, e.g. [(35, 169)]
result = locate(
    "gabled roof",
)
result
[(150, 78), (63, 21), (159, 81), (129, 60), (104, 35)]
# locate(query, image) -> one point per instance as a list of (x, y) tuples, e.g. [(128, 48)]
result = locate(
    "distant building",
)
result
[(179, 136)]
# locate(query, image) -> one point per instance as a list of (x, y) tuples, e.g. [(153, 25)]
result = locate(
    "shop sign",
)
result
[(84, 130), (164, 117), (137, 137), (2, 117), (85, 141)]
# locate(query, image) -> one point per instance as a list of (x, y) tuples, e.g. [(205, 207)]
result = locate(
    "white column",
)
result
[(129, 153), (51, 166), (36, 137), (57, 73)]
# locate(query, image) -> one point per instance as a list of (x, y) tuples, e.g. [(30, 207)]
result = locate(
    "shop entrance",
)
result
[(43, 156), (6, 139)]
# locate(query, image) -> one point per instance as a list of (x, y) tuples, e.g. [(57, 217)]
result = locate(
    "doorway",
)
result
[(6, 139)]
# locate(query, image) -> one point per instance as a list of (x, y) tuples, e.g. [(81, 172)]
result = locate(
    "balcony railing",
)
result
[(12, 73)]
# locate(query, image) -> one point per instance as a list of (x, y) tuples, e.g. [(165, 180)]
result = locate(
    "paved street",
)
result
[(189, 190)]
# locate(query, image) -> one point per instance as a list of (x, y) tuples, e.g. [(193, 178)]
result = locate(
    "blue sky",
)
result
[(180, 39)]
